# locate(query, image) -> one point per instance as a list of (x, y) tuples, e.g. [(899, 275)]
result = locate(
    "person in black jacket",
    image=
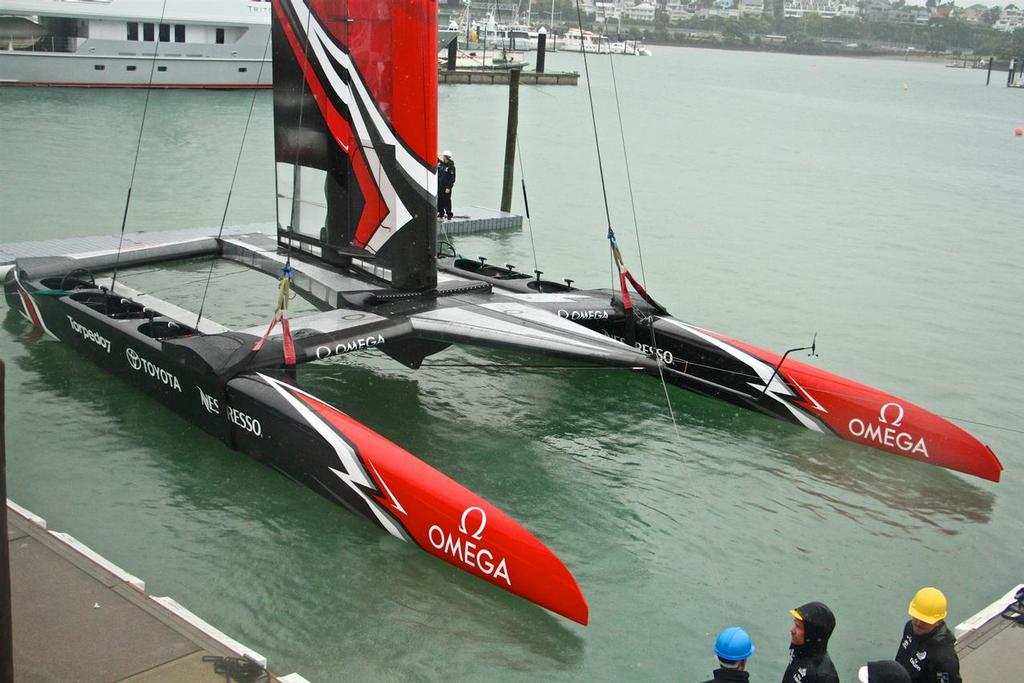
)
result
[(809, 662), (926, 650), (445, 183), (732, 648)]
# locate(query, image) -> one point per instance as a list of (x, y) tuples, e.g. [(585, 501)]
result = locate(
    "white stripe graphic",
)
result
[(776, 390), (355, 477), (398, 214), (27, 301)]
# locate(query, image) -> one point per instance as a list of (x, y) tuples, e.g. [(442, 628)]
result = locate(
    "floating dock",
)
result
[(989, 644), (78, 617), (501, 77), (467, 220)]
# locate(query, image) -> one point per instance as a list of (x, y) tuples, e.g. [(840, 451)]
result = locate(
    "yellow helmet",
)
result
[(928, 605)]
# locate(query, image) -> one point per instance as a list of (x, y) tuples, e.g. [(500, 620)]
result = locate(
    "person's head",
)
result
[(885, 671), (733, 647), (446, 155), (927, 610), (813, 624)]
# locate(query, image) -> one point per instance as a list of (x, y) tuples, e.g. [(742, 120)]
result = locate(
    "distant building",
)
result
[(975, 14), (751, 7), (679, 12), (910, 14), (641, 12), (1010, 20), (876, 10)]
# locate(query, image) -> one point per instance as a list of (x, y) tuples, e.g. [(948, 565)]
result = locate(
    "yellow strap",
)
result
[(282, 295)]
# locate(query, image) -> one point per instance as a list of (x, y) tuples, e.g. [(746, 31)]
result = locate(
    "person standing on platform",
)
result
[(732, 648), (926, 650), (809, 662), (445, 183)]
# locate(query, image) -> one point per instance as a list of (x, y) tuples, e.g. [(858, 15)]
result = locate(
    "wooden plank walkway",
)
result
[(991, 647), (78, 617)]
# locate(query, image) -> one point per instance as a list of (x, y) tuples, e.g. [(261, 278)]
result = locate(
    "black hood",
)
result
[(887, 671), (819, 622)]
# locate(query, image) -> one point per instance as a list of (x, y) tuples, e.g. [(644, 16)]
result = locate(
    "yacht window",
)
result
[(161, 68), (165, 33), (179, 33), (133, 30), (147, 32), (220, 36), (99, 67), (242, 69), (130, 67)]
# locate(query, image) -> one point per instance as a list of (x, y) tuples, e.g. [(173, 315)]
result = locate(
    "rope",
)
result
[(593, 118), (234, 176), (138, 146), (526, 204), (629, 177)]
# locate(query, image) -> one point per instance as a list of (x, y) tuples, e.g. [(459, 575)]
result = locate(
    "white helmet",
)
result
[(447, 153)]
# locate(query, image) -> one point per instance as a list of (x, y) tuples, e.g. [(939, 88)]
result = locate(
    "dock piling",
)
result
[(6, 631), (453, 53), (542, 41), (510, 140)]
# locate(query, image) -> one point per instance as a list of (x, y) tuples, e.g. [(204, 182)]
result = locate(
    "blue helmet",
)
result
[(734, 645)]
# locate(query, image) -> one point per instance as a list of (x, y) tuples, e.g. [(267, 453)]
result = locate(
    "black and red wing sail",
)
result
[(355, 126), (416, 503)]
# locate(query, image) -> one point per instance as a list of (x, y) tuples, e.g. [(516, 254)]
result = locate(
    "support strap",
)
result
[(281, 315)]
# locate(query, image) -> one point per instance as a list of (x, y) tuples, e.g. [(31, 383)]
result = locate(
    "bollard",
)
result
[(542, 41)]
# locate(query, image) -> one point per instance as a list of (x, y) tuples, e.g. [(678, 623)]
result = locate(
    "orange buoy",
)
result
[(1018, 131)]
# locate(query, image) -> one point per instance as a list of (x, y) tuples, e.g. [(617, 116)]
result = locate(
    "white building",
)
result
[(641, 12), (1011, 19)]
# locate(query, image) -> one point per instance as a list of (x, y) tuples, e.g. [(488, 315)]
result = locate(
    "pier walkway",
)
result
[(990, 645), (78, 617)]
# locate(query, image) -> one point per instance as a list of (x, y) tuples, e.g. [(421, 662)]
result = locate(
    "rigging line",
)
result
[(593, 118), (526, 203), (138, 146), (983, 424), (234, 176), (298, 133), (629, 178)]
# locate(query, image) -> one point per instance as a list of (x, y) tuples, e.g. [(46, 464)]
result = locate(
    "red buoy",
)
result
[(1018, 131)]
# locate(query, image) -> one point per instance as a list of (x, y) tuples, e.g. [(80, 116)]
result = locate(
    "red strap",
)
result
[(259, 345), (289, 347), (626, 301)]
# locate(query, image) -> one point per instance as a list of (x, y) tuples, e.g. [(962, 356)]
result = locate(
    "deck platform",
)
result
[(468, 220), (78, 617), (501, 77), (990, 646)]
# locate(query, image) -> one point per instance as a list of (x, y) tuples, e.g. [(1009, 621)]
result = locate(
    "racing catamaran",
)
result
[(355, 114)]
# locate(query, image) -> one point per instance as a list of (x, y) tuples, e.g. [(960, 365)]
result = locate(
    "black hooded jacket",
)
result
[(810, 663), (929, 658), (729, 676)]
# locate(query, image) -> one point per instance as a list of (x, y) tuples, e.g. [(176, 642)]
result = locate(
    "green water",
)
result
[(876, 203)]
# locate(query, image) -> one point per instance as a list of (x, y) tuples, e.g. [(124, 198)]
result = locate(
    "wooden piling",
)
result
[(6, 632), (542, 41), (510, 140)]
